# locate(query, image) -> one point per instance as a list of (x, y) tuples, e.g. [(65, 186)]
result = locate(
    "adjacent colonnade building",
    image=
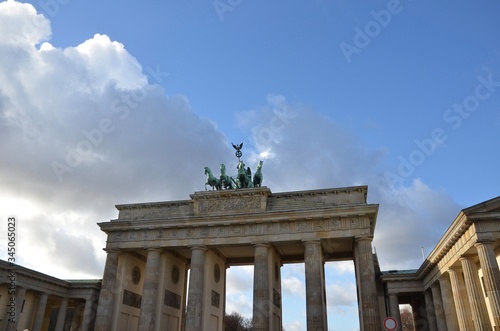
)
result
[(46, 303), (458, 285)]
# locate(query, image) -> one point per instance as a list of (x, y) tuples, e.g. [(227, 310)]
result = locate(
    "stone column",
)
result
[(367, 288), (261, 299), (461, 300), (194, 316), (40, 311), (315, 281), (475, 293), (448, 304), (104, 314), (4, 301), (87, 314), (394, 309), (77, 317), (429, 309), (420, 320), (184, 299), (491, 276), (438, 307), (20, 293), (61, 316), (147, 317)]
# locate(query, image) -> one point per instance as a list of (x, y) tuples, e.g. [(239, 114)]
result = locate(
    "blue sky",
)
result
[(402, 96), (426, 59)]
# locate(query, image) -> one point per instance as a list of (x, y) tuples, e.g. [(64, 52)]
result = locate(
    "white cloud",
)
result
[(294, 326), (293, 282), (341, 294), (293, 286), (108, 61), (85, 131), (241, 279), (240, 304), (341, 267), (21, 26), (239, 286), (410, 218)]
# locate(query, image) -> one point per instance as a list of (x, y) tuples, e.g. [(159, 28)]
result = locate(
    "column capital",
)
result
[(484, 242), (153, 249), (443, 278), (468, 257), (484, 238), (434, 285), (198, 248), (454, 270), (261, 244), (361, 238), (311, 242)]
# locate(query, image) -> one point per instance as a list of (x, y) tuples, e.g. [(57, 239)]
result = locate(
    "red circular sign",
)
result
[(390, 324)]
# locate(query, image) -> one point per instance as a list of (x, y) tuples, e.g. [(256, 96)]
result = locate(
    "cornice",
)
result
[(457, 228)]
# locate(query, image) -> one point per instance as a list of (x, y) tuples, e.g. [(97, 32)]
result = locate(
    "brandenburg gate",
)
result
[(151, 247)]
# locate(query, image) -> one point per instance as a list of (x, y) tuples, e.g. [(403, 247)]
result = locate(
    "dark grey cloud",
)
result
[(83, 130)]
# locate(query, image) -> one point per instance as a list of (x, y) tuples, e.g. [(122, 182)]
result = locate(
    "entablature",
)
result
[(222, 233), (36, 281)]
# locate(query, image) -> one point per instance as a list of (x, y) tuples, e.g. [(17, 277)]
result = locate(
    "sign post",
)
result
[(390, 323)]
